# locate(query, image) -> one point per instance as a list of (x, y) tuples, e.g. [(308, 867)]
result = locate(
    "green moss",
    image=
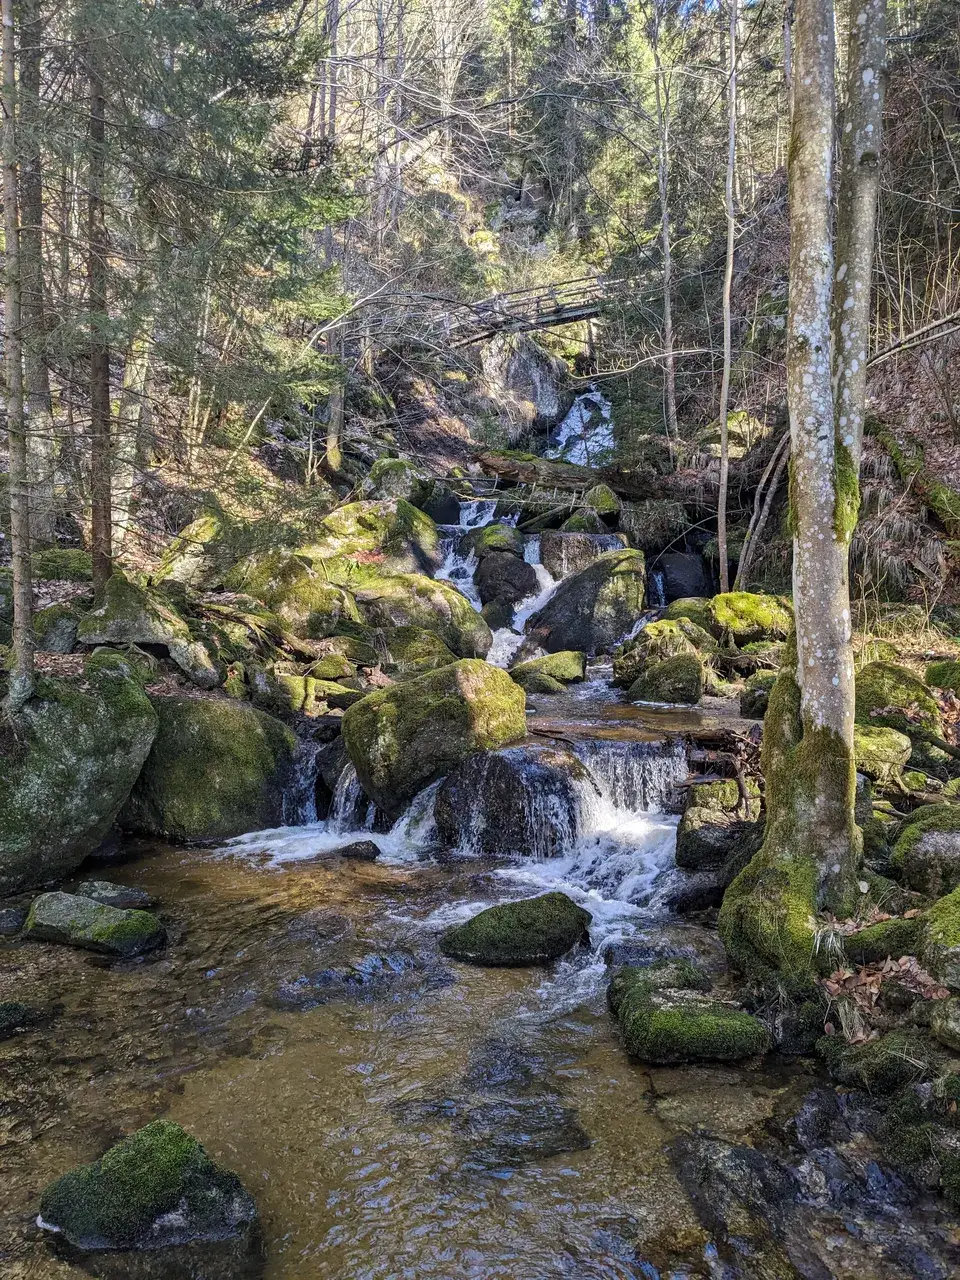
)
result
[(413, 600), (746, 616), (881, 1066), (939, 498), (678, 1024), (880, 752), (846, 480), (756, 694), (366, 540), (667, 638), (537, 682), (412, 651), (55, 628), (333, 666), (78, 749), (894, 938), (80, 922), (696, 608), (62, 564), (892, 696), (585, 521), (925, 862), (158, 1170), (675, 680), (217, 769), (401, 738), (943, 675), (565, 666), (533, 931), (492, 537), (602, 499), (941, 939), (396, 478), (768, 917)]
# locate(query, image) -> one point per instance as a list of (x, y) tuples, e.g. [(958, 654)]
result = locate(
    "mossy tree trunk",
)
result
[(811, 851)]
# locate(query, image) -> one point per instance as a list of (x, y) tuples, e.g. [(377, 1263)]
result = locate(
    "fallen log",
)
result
[(694, 487)]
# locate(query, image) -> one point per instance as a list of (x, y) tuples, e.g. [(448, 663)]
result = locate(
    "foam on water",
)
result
[(585, 436), (507, 640)]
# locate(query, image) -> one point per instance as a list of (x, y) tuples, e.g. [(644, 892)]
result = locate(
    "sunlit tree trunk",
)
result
[(21, 676), (727, 288), (810, 855)]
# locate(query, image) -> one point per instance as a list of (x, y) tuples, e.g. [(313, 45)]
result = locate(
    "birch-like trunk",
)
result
[(730, 210), (810, 855), (21, 676)]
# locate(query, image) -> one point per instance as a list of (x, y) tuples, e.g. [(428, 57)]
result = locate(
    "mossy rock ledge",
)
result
[(532, 931), (674, 680), (155, 1189), (592, 610), (79, 748), (892, 696), (402, 738), (927, 852), (566, 667), (666, 1025), (414, 600), (217, 769), (93, 926)]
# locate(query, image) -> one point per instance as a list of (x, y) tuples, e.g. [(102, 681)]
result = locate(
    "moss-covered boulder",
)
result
[(55, 628), (366, 540), (533, 931), (131, 614), (401, 738), (62, 564), (412, 600), (940, 940), (895, 938), (300, 595), (490, 538), (412, 651), (695, 608), (592, 610), (943, 675), (198, 556), (76, 921), (566, 666), (756, 694), (745, 616), (603, 500), (675, 680), (77, 751), (527, 801), (503, 580), (668, 638), (893, 697), (927, 851), (395, 478), (586, 520), (880, 752), (714, 820), (154, 1189), (218, 768), (667, 1025)]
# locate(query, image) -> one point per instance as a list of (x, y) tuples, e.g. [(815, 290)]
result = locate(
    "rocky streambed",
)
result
[(395, 1113)]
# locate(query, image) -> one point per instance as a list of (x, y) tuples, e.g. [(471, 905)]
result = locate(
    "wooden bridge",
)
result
[(537, 307)]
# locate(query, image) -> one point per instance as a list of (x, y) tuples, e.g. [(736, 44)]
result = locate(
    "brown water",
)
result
[(449, 1123)]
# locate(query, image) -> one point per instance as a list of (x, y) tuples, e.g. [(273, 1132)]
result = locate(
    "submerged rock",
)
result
[(15, 1017), (532, 931), (666, 1025), (123, 896), (592, 610), (402, 738), (369, 977), (524, 800), (80, 922), (360, 851), (155, 1189), (79, 747), (217, 769)]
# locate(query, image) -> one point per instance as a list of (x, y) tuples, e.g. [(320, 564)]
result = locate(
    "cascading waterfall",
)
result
[(507, 640), (585, 436), (300, 797), (634, 776), (348, 808)]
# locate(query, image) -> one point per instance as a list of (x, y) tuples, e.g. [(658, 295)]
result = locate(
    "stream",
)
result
[(398, 1116)]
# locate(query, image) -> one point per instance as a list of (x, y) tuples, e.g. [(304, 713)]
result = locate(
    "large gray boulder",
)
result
[(563, 553), (78, 749), (402, 738), (414, 600), (503, 579), (592, 610)]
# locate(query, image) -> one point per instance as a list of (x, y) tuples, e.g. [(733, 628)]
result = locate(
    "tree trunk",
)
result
[(663, 189), (727, 288), (38, 409), (21, 676), (97, 248), (126, 452), (811, 850)]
